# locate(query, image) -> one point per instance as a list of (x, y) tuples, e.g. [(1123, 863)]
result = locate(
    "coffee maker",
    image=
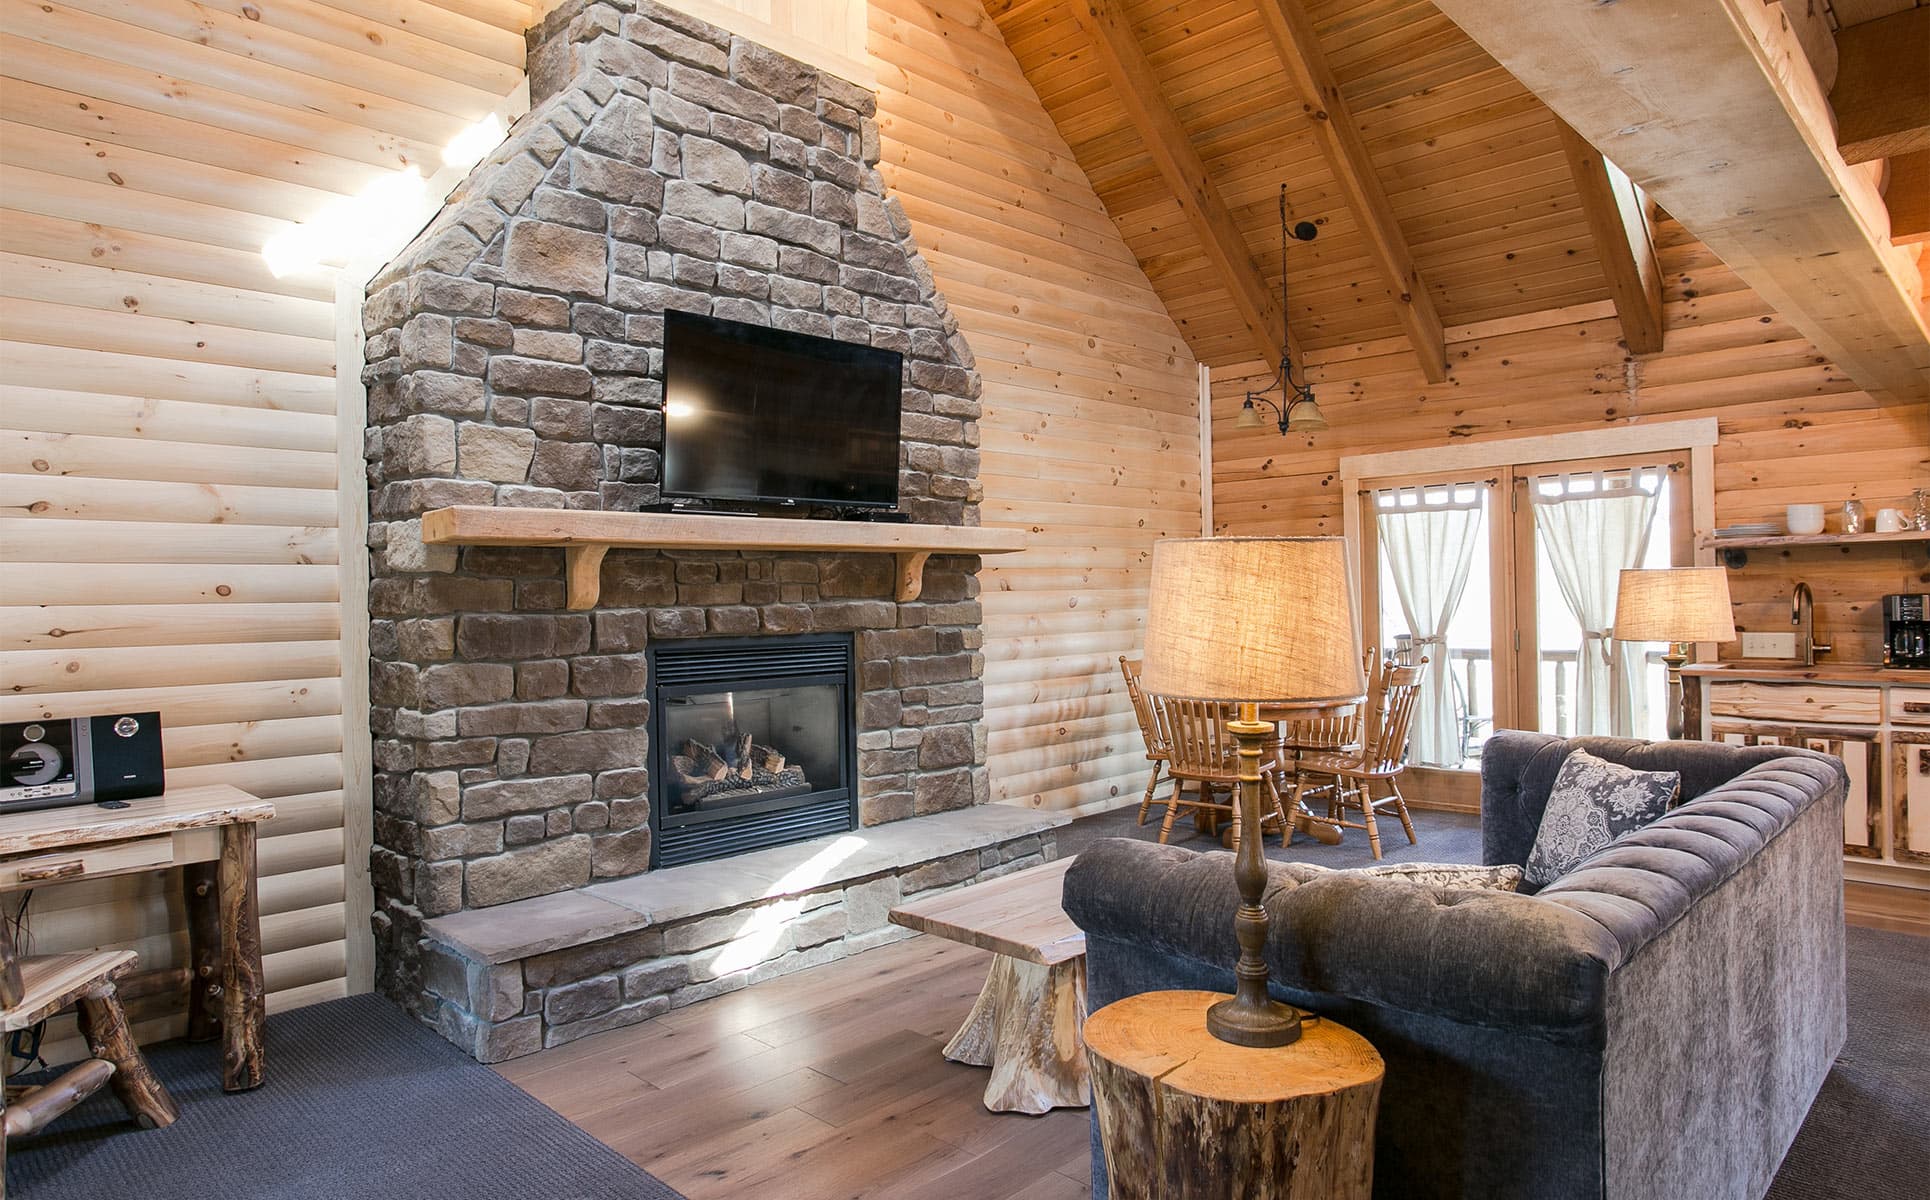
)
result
[(1906, 631)]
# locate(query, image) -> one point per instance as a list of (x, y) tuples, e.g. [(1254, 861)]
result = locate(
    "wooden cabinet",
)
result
[(1910, 797), (1877, 723), (1786, 702), (1862, 755)]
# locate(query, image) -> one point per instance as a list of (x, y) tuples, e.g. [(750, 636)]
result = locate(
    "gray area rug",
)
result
[(1443, 837), (361, 1100), (1867, 1135)]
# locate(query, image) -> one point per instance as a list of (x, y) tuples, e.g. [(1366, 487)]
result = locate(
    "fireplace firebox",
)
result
[(753, 743)]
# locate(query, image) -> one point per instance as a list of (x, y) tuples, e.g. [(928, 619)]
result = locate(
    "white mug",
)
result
[(1804, 518), (1889, 520)]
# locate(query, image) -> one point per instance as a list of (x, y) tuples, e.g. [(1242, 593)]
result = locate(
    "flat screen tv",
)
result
[(766, 416)]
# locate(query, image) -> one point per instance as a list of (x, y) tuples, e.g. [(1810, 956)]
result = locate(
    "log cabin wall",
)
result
[(1793, 429), (182, 400), (1090, 426), (171, 467)]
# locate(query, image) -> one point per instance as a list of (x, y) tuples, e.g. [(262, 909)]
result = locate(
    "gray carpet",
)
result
[(1867, 1135), (360, 1101), (1444, 837)]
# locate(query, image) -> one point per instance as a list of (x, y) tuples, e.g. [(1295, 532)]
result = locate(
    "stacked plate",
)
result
[(1750, 530)]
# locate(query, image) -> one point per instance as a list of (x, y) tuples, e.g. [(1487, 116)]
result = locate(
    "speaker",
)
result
[(80, 760)]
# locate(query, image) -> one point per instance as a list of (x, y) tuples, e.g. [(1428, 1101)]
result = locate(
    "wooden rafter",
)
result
[(1136, 90), (1340, 141), (1909, 198), (1713, 111), (1882, 92), (1620, 227)]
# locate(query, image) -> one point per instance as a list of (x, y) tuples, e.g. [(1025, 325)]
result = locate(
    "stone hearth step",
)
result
[(513, 978)]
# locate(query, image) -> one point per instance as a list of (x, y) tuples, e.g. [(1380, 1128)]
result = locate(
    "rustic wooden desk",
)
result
[(1027, 1022), (210, 833)]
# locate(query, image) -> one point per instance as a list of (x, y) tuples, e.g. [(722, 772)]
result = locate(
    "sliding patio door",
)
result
[(1505, 581)]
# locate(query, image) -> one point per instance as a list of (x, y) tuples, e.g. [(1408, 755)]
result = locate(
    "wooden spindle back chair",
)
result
[(1149, 731), (1203, 753), (1330, 734), (1379, 759), (35, 988)]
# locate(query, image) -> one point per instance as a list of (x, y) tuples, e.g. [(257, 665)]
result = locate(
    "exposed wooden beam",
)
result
[(1338, 136), (1623, 241), (1713, 111), (1882, 92), (1908, 197), (1136, 90)]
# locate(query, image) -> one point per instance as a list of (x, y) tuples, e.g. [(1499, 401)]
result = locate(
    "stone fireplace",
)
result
[(534, 763)]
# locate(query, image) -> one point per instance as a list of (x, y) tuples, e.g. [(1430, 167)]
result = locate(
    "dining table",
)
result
[(1285, 747)]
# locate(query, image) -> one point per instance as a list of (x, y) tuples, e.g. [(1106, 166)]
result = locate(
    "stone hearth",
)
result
[(515, 978), (515, 359)]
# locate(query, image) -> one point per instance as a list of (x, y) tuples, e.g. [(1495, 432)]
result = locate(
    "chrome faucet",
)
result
[(1802, 602)]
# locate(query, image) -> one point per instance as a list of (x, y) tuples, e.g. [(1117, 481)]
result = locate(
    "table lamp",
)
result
[(1251, 621), (1677, 605)]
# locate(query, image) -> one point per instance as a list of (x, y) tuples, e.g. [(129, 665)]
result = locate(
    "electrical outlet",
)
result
[(1769, 645)]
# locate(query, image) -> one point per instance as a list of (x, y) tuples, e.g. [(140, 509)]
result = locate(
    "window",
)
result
[(1504, 579)]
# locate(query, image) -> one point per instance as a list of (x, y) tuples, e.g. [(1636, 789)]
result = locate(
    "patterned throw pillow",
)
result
[(1505, 878), (1592, 803)]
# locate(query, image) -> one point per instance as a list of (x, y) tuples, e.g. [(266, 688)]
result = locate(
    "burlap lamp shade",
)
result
[(1252, 619), (1674, 604)]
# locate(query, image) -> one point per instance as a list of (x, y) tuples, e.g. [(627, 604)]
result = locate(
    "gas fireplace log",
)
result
[(767, 759), (742, 758), (705, 762)]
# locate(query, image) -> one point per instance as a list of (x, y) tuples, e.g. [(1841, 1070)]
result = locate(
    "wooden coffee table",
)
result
[(1028, 1021)]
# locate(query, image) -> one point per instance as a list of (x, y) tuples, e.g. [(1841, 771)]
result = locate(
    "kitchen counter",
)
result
[(1822, 672)]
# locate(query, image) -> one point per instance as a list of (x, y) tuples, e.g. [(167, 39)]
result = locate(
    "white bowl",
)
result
[(1805, 518)]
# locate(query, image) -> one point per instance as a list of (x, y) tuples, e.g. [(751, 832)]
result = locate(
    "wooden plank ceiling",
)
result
[(1482, 212)]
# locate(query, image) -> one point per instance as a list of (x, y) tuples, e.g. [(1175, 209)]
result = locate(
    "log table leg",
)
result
[(203, 890), (243, 1004), (1183, 1115), (104, 1026), (1026, 1027)]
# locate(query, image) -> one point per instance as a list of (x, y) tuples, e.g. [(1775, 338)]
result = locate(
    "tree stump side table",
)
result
[(1183, 1114)]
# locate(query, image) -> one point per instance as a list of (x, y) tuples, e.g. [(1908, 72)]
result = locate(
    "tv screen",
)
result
[(756, 414)]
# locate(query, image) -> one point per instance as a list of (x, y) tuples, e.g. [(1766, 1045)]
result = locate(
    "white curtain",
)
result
[(1590, 526), (1428, 547)]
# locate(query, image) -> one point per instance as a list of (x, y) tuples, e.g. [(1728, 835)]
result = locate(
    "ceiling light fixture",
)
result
[(1296, 411)]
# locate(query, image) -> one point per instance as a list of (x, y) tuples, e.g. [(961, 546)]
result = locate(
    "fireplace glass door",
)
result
[(750, 748)]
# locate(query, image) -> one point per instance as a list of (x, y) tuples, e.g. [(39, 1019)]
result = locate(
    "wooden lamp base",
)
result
[(1250, 1017)]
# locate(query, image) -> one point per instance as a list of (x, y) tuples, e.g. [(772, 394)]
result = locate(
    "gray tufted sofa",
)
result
[(1651, 1026)]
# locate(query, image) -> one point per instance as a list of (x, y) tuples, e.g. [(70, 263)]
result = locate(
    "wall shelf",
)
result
[(1732, 549), (1711, 542), (585, 537)]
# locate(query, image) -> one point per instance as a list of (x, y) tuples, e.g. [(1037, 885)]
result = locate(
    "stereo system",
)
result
[(80, 760)]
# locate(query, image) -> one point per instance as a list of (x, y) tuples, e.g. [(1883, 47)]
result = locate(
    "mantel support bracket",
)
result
[(911, 574), (583, 570)]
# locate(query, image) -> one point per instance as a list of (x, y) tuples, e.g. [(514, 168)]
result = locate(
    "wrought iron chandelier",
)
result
[(1296, 411)]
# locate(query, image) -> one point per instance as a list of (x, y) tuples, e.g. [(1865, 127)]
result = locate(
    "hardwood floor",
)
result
[(824, 1084), (829, 1085), (1880, 906)]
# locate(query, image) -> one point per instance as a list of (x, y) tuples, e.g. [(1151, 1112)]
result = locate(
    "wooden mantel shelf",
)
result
[(587, 536)]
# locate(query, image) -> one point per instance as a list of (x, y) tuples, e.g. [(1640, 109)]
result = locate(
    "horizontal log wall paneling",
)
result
[(1793, 429), (1090, 433), (170, 474)]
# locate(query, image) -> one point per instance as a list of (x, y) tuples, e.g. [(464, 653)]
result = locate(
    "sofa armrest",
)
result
[(1480, 958)]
